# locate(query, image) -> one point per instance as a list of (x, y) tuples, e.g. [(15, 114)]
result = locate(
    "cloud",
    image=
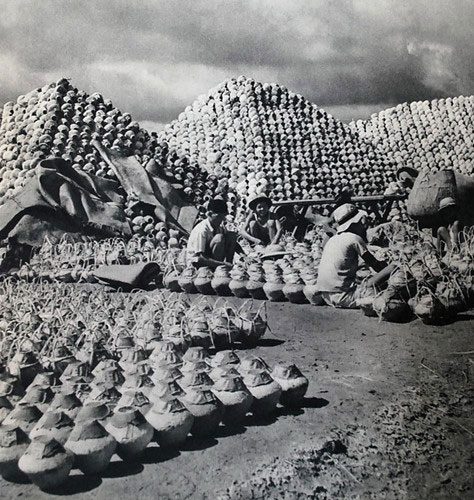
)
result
[(152, 58)]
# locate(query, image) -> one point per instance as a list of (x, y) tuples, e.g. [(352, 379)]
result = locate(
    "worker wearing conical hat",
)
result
[(340, 260), (260, 227)]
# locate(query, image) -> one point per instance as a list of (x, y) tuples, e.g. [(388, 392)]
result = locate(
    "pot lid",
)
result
[(227, 357), (93, 410), (196, 396), (52, 419), (288, 371), (253, 363), (230, 384), (191, 379), (125, 416), (90, 429), (12, 435), (254, 378), (195, 354)]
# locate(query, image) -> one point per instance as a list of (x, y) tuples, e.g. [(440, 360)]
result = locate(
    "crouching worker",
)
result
[(340, 260), (260, 227), (210, 243)]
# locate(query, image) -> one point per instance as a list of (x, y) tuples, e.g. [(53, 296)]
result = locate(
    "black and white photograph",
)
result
[(237, 249)]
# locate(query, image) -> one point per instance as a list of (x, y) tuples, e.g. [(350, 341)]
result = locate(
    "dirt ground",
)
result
[(388, 414)]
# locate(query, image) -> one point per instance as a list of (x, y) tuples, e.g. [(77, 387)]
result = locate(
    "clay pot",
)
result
[(238, 286), (92, 446), (13, 444), (274, 290), (24, 416), (134, 399), (313, 295), (206, 409), (220, 281), (293, 383), (227, 357), (131, 431), (186, 280), (66, 403), (171, 421), (165, 390), (46, 463), (203, 281), (5, 408), (265, 390), (236, 398), (195, 379), (54, 425)]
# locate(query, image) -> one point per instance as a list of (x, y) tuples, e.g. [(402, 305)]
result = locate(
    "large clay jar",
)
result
[(203, 280), (265, 390), (273, 288), (171, 421), (92, 445), (131, 431), (220, 281), (206, 409), (293, 383), (186, 280), (256, 281), (13, 444), (238, 284), (236, 398), (54, 425), (46, 463), (294, 288)]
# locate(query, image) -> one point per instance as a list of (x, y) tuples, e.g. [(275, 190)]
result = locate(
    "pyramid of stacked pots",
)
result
[(426, 135), (60, 120), (263, 138)]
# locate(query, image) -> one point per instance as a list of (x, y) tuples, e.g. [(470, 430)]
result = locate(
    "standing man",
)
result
[(340, 260), (210, 243)]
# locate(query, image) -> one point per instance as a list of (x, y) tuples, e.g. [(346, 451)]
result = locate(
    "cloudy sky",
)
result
[(154, 57)]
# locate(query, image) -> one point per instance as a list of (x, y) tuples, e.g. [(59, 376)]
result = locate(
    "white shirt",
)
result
[(199, 240), (339, 262)]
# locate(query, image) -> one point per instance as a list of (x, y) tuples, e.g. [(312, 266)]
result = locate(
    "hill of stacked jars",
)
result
[(263, 138), (60, 120), (432, 135), (242, 138)]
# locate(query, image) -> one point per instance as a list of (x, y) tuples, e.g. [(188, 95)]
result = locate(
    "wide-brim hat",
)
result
[(346, 215), (274, 252), (447, 202), (254, 200)]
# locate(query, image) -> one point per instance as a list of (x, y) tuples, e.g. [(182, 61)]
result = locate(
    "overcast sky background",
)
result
[(153, 58)]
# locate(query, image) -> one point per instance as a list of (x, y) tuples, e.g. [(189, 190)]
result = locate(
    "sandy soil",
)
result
[(388, 414)]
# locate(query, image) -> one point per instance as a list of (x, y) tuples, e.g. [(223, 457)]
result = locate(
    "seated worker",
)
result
[(340, 260), (292, 221), (405, 179), (210, 243), (449, 230), (260, 227)]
